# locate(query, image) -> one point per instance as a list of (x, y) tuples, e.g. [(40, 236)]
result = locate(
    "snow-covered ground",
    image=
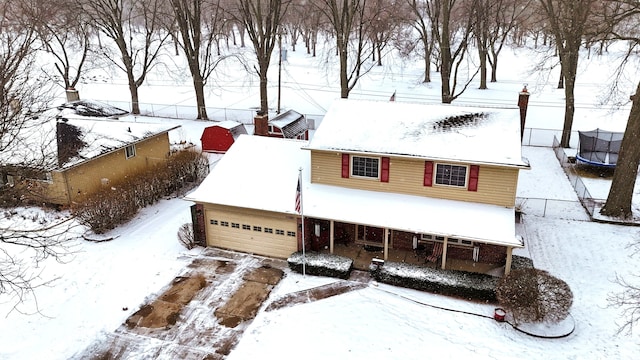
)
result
[(378, 322)]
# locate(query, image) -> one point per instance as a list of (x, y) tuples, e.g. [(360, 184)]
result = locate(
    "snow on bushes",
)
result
[(321, 264), (472, 286)]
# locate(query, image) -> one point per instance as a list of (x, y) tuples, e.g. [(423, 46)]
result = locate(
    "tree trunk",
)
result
[(569, 70), (483, 68), (494, 68), (133, 89), (264, 103), (620, 196), (344, 81), (198, 86), (427, 69)]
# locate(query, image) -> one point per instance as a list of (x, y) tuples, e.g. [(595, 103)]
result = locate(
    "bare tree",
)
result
[(494, 21), (200, 24), (629, 301), (350, 27), (262, 20), (64, 32), (21, 95), (620, 195), (385, 20), (567, 22), (23, 247), (137, 29), (621, 18), (422, 25), (312, 24), (451, 24)]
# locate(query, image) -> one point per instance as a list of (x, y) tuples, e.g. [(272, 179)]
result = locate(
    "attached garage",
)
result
[(258, 232)]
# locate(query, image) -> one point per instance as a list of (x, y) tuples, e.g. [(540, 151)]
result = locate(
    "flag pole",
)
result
[(304, 257)]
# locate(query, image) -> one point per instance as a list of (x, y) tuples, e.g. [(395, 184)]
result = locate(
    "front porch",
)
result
[(362, 256)]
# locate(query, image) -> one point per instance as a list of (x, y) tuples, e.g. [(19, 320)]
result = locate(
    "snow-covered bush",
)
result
[(534, 295), (446, 282), (321, 264)]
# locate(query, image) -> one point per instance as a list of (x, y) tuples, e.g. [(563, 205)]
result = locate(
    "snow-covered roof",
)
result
[(261, 173), (436, 132), (291, 122), (37, 143), (257, 172), (228, 124), (92, 108)]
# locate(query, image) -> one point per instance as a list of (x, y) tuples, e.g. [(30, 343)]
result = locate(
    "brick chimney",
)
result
[(261, 124), (523, 102), (72, 95)]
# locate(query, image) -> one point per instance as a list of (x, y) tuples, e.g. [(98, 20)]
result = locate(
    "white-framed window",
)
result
[(291, 233), (246, 227), (368, 167), (213, 222), (235, 225), (224, 223), (279, 232), (130, 151), (451, 175), (257, 228), (268, 230)]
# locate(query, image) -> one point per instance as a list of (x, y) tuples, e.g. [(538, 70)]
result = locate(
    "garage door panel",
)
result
[(222, 233)]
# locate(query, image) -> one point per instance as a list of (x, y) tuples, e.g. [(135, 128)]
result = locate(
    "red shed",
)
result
[(219, 138)]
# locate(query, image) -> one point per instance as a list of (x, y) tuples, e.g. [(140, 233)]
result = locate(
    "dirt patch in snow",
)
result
[(199, 315), (166, 309), (245, 302)]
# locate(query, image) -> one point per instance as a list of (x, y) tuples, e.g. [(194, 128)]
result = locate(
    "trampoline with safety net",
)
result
[(599, 147)]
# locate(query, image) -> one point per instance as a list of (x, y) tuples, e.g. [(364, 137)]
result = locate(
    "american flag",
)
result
[(299, 194)]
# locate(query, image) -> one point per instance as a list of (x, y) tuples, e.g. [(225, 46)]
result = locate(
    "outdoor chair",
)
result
[(435, 253)]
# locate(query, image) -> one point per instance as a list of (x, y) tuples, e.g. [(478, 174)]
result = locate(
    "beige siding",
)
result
[(496, 185), (249, 240), (87, 178)]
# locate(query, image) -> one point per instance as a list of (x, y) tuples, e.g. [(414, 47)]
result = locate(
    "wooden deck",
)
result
[(362, 259)]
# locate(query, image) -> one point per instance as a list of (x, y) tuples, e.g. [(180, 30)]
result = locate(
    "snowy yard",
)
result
[(85, 304), (378, 321)]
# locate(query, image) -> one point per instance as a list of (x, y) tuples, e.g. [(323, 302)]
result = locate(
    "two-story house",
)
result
[(380, 174)]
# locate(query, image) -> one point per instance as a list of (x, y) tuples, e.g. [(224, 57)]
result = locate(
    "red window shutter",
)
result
[(428, 173), (384, 175), (473, 178), (345, 165)]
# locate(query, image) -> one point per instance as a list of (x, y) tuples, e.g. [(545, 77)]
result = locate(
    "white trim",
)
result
[(466, 175), (130, 151), (351, 174)]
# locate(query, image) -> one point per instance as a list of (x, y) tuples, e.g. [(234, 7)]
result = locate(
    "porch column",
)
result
[(386, 244), (507, 264), (331, 236), (444, 252)]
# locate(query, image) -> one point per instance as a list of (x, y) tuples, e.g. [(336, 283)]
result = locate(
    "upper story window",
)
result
[(452, 175), (365, 166), (130, 151)]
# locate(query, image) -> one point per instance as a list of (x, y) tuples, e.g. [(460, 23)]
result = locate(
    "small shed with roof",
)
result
[(219, 138), (289, 125)]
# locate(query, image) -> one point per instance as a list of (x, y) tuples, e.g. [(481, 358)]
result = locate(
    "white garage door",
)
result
[(268, 236)]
